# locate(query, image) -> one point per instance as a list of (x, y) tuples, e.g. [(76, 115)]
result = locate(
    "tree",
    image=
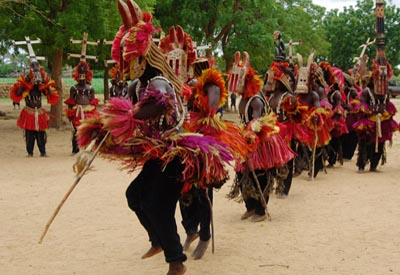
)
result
[(349, 29), (55, 22), (300, 20), (241, 25)]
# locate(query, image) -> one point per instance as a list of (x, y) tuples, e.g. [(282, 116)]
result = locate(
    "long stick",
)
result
[(313, 155), (78, 178), (211, 220), (263, 201), (378, 131)]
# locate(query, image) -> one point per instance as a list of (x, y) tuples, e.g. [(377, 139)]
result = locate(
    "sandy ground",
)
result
[(340, 223)]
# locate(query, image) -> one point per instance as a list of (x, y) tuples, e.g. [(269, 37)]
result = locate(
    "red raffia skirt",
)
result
[(33, 119), (270, 149), (82, 112)]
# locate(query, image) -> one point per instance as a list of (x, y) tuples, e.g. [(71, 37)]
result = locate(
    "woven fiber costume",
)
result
[(81, 102), (34, 118), (312, 113), (349, 140), (208, 96), (376, 124), (334, 82), (148, 136), (278, 86), (268, 150)]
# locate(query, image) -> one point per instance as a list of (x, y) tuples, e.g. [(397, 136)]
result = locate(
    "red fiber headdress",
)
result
[(276, 68), (88, 74), (252, 84), (137, 32)]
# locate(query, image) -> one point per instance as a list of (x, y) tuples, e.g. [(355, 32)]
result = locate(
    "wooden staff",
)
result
[(77, 180), (263, 201), (378, 131), (106, 70), (211, 221), (313, 154)]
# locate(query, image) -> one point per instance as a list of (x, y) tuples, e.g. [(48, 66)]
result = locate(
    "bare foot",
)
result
[(189, 239), (247, 214), (281, 196), (152, 251), (201, 248), (176, 268), (258, 218)]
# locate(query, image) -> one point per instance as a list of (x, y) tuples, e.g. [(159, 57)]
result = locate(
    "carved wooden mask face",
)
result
[(82, 72), (238, 74), (302, 80), (137, 67), (380, 11), (177, 59), (36, 76)]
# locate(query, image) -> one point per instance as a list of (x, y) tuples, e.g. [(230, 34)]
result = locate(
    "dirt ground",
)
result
[(340, 223)]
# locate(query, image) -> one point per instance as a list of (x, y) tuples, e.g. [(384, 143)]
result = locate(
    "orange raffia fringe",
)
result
[(224, 131), (278, 73), (265, 126), (253, 83), (21, 82), (114, 72), (47, 87), (210, 76)]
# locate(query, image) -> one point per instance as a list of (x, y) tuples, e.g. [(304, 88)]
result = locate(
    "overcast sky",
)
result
[(339, 4)]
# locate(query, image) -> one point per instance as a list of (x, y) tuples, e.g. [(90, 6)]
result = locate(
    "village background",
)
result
[(342, 222)]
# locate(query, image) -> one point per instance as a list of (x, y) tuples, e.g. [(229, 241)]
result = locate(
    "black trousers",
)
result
[(40, 137), (334, 149), (288, 181), (349, 143), (197, 213), (290, 165), (304, 159), (251, 202), (366, 152), (75, 148), (319, 160), (153, 196)]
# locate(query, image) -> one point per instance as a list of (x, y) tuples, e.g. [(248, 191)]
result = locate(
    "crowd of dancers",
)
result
[(167, 123)]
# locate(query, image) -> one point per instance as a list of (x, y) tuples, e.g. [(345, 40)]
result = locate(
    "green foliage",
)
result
[(242, 25), (229, 25), (55, 22), (7, 80), (351, 28), (6, 69)]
